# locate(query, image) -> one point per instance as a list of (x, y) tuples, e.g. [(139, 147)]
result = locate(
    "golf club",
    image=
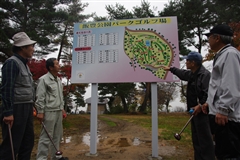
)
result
[(178, 135), (58, 153), (11, 142)]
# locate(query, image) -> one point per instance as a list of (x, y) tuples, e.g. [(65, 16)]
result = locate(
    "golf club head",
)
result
[(58, 154), (177, 136)]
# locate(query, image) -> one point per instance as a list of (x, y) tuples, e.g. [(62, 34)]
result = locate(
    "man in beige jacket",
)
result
[(49, 104)]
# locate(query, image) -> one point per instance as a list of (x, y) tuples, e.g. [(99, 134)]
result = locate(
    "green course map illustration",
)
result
[(149, 50)]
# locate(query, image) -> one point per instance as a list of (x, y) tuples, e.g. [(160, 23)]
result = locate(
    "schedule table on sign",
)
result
[(85, 57), (86, 40), (108, 56), (108, 39)]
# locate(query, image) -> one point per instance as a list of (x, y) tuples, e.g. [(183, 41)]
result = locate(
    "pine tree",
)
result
[(39, 19)]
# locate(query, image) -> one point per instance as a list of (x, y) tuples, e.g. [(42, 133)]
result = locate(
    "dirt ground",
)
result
[(125, 141)]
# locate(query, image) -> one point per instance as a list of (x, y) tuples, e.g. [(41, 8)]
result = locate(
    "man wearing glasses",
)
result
[(224, 94)]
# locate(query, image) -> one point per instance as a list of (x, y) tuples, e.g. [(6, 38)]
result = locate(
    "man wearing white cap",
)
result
[(18, 96)]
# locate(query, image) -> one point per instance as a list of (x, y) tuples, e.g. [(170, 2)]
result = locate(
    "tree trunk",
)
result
[(76, 110), (66, 96), (146, 98), (61, 45), (125, 107), (167, 105), (110, 102)]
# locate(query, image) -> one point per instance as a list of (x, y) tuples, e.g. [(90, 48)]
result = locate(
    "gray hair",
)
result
[(226, 39)]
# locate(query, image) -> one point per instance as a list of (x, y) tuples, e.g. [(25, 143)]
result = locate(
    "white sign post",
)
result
[(93, 120), (154, 120)]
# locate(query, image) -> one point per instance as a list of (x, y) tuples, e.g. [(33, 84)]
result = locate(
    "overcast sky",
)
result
[(98, 6)]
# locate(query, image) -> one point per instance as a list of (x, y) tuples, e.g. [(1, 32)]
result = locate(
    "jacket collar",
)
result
[(21, 58), (52, 77), (201, 69)]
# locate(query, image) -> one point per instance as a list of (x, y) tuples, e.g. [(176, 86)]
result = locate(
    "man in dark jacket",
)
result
[(18, 97), (198, 78)]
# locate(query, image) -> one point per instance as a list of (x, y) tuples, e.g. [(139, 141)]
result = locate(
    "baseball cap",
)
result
[(194, 56), (221, 29), (21, 39)]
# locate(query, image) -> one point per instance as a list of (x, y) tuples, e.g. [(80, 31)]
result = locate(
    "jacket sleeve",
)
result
[(182, 74), (62, 97), (229, 86), (204, 87), (40, 96), (10, 72)]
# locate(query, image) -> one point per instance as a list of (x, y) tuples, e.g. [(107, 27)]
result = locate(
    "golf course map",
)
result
[(149, 50)]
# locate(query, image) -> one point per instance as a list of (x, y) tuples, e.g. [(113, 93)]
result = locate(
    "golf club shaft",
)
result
[(11, 142), (185, 125), (44, 127)]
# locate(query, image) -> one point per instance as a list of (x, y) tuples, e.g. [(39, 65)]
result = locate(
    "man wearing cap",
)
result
[(18, 96), (197, 77), (224, 94)]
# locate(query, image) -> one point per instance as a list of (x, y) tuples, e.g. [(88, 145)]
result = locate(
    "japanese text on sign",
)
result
[(125, 23)]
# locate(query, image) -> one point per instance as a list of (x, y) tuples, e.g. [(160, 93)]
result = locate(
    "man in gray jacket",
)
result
[(49, 105), (224, 93)]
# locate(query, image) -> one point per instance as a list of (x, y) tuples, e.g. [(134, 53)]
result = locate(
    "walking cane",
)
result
[(11, 142)]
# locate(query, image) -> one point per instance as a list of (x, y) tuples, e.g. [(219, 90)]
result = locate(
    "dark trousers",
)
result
[(22, 134), (202, 138), (227, 139)]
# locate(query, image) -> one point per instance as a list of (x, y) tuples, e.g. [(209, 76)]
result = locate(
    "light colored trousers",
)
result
[(53, 123)]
